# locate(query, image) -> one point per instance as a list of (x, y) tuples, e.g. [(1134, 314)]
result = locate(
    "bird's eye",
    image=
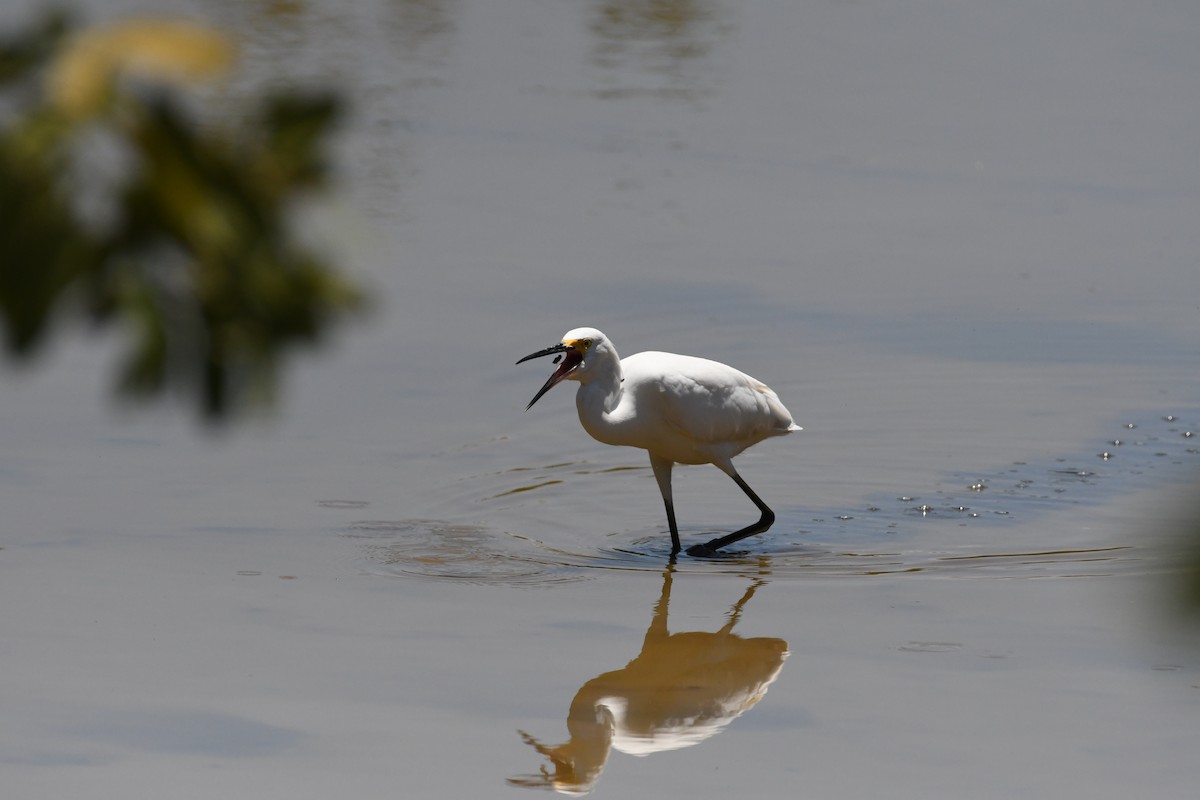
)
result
[(586, 344)]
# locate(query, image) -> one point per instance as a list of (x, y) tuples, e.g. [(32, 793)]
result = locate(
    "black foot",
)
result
[(702, 551)]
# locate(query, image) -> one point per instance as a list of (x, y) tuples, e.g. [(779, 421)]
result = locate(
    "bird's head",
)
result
[(572, 360)]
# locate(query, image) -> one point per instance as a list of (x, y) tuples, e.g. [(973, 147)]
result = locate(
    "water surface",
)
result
[(958, 239)]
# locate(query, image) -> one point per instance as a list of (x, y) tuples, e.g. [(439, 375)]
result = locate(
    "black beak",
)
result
[(549, 351), (572, 360)]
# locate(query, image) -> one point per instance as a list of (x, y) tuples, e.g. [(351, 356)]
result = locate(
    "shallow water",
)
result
[(958, 240), (991, 503)]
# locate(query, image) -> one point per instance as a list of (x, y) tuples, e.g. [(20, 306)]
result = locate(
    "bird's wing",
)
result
[(705, 401)]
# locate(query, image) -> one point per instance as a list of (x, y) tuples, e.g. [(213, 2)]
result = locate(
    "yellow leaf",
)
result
[(177, 52)]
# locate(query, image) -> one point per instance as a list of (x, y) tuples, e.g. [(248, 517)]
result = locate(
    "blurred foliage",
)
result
[(190, 248), (1189, 585), (1183, 526)]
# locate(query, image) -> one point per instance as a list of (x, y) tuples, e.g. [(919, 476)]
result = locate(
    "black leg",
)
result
[(662, 473), (765, 521), (675, 548)]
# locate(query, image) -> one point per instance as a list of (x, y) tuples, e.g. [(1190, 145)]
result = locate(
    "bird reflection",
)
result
[(680, 690)]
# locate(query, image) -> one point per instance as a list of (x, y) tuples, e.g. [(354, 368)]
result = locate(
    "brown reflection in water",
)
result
[(680, 690), (654, 45)]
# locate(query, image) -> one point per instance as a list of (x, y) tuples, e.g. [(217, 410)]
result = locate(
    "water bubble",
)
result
[(978, 486), (1170, 417), (1130, 425), (1105, 455), (1187, 434)]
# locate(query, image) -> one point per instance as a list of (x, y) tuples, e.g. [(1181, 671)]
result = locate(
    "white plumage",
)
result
[(680, 409)]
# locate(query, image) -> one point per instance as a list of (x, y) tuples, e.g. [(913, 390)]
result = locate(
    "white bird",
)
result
[(681, 409)]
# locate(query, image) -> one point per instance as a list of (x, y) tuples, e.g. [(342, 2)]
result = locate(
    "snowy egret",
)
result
[(681, 409)]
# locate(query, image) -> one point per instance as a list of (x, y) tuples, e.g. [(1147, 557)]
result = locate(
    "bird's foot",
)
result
[(703, 551)]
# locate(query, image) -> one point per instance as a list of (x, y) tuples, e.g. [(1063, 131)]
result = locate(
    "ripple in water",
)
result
[(872, 541), (440, 550), (443, 551)]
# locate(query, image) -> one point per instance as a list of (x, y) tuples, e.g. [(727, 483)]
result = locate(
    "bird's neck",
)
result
[(599, 394)]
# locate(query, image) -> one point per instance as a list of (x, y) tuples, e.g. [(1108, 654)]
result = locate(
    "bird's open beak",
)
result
[(572, 359)]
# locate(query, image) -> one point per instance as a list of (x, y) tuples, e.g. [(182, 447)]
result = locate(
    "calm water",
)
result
[(958, 239)]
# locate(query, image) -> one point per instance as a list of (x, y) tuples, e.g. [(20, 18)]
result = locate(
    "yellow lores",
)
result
[(681, 409)]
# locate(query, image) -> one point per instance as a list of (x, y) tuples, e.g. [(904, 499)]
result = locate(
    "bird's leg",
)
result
[(675, 547), (662, 474), (765, 521)]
